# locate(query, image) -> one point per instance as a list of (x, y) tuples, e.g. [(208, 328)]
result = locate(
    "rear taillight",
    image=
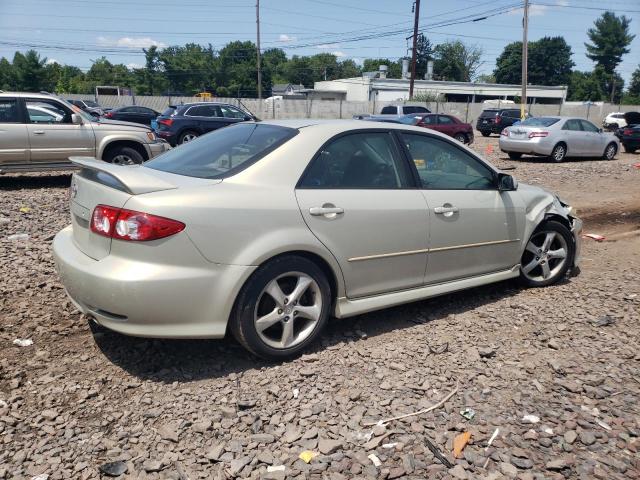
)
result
[(165, 121), (504, 133), (538, 134), (497, 119), (627, 131), (108, 115), (130, 225)]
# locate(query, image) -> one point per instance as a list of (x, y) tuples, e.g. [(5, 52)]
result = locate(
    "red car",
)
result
[(447, 124)]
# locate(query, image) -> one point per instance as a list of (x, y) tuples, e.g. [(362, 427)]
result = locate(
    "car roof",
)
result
[(337, 125), (43, 96), (203, 103)]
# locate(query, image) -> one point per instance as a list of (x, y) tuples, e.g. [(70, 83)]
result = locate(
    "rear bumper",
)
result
[(535, 146), (149, 299), (631, 142)]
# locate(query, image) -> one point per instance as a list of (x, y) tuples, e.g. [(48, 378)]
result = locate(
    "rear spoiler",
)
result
[(132, 179)]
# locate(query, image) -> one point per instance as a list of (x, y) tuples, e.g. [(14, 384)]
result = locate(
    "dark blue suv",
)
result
[(180, 124)]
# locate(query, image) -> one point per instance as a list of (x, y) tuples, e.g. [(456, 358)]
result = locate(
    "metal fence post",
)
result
[(466, 113), (340, 109)]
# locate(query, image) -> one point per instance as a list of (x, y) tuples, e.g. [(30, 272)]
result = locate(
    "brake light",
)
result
[(130, 225), (538, 134), (497, 118), (627, 131), (108, 115), (168, 121), (504, 133)]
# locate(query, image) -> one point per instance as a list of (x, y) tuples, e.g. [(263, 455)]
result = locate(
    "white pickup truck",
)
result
[(396, 111)]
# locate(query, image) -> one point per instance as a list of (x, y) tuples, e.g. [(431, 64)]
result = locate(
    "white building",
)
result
[(366, 88)]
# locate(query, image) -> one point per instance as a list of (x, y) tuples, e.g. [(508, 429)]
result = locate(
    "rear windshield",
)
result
[(223, 152), (168, 111), (489, 113), (539, 122)]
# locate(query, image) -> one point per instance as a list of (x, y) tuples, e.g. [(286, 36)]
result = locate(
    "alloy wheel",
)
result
[(545, 256), (288, 310), (188, 137), (123, 160), (610, 152), (558, 153)]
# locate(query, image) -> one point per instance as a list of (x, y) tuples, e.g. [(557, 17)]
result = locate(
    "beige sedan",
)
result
[(266, 229)]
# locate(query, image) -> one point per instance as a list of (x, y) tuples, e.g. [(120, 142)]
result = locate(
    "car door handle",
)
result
[(332, 211), (445, 210), (38, 132)]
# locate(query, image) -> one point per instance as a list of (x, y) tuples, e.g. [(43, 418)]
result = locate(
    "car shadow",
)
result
[(22, 182), (167, 361)]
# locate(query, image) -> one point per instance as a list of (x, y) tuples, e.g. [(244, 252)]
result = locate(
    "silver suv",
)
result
[(40, 132)]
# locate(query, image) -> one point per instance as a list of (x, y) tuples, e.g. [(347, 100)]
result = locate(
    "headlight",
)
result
[(151, 136)]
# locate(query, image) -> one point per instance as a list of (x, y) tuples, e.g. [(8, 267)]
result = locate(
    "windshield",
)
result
[(89, 103), (87, 116), (538, 122), (223, 152)]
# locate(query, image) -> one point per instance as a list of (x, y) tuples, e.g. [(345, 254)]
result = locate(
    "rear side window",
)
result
[(358, 161), (444, 120), (9, 111), (224, 152), (390, 110), (169, 111)]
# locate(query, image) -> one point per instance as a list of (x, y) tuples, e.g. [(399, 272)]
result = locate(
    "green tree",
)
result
[(424, 53), (30, 72), (69, 80), (273, 62), (594, 86), (348, 69), (189, 69), (632, 95), (298, 71), (394, 68), (486, 78), (236, 71), (456, 61), (610, 40), (549, 62), (152, 78), (7, 75)]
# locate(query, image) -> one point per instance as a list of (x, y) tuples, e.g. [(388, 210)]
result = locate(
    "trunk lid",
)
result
[(521, 132), (103, 183), (632, 118)]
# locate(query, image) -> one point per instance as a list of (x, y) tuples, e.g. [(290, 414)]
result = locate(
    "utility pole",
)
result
[(258, 45), (415, 48), (525, 55)]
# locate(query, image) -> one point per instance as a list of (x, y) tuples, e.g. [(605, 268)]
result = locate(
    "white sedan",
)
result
[(265, 229)]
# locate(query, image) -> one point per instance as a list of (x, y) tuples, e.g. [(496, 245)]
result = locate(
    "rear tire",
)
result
[(283, 307), (548, 255), (558, 153), (630, 149), (610, 151), (485, 134), (123, 156), (461, 137), (514, 155), (188, 136)]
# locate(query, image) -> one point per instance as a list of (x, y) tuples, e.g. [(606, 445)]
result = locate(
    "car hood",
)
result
[(632, 118), (137, 126)]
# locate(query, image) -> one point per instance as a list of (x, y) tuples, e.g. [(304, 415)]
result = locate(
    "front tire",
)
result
[(514, 155), (461, 137), (610, 152), (282, 308), (548, 255), (485, 134), (559, 153), (124, 156)]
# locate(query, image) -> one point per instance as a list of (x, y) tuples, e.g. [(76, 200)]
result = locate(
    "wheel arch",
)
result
[(137, 146)]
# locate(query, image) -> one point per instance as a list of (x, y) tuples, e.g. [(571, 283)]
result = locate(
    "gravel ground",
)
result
[(554, 369)]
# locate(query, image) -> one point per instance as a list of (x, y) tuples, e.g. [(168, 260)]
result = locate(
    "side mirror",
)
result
[(248, 118), (600, 130), (76, 119), (506, 183)]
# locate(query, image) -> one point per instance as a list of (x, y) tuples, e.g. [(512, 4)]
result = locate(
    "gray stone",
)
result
[(570, 436), (508, 470), (152, 465), (587, 437), (327, 446), (263, 438), (458, 472)]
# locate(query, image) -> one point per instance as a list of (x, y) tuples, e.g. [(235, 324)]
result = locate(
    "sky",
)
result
[(76, 32)]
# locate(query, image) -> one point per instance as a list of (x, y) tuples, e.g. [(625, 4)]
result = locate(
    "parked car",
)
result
[(266, 229), (558, 138), (447, 124), (630, 135), (390, 111), (40, 132), (89, 106), (613, 121), (132, 113), (180, 124), (494, 120), (389, 119)]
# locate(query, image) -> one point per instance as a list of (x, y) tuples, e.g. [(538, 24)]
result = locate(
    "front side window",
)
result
[(9, 112), (429, 119), (224, 152), (358, 161), (589, 127), (43, 111), (443, 166), (573, 125), (204, 111), (230, 112)]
